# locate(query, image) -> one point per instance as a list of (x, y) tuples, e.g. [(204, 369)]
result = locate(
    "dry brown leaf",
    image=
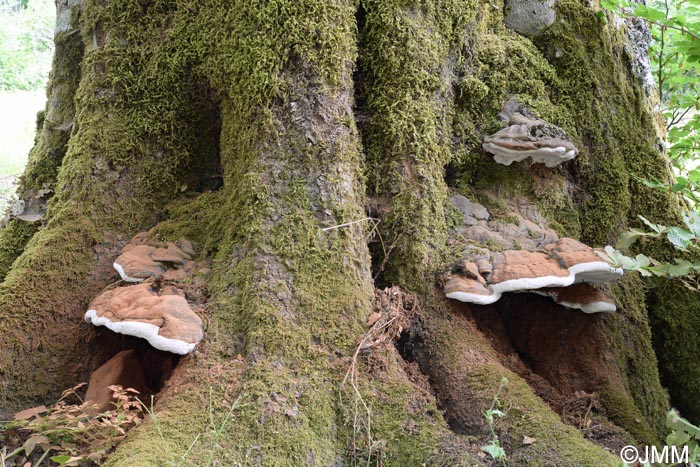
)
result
[(373, 318), (32, 442), (29, 413)]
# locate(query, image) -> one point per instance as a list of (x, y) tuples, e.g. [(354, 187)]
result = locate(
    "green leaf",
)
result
[(692, 221), (658, 228), (653, 183), (681, 268), (680, 185), (677, 438), (642, 260), (627, 239), (680, 238), (60, 459), (494, 450), (676, 422)]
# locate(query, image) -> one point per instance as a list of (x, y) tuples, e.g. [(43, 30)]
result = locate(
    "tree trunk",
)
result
[(324, 117)]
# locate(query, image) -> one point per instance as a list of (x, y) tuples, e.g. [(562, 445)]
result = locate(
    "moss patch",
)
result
[(287, 294), (404, 54), (675, 317), (13, 239)]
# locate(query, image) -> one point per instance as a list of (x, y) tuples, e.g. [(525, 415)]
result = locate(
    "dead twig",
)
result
[(394, 310)]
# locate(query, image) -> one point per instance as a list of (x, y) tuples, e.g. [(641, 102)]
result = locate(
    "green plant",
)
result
[(684, 239), (675, 59), (73, 431), (493, 448), (684, 433)]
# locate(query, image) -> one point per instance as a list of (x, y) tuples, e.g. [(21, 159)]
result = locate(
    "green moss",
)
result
[(467, 376), (572, 78), (48, 278), (620, 137), (52, 132), (201, 219), (528, 415), (142, 127), (507, 219), (501, 65), (455, 217), (675, 318), (621, 148), (286, 293), (630, 337), (55, 123), (13, 239), (408, 91)]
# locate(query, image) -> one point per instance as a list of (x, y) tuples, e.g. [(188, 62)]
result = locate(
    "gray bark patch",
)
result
[(529, 17)]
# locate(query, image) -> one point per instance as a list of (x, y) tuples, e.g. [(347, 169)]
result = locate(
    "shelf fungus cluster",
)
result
[(139, 261), (155, 310), (562, 270), (526, 136)]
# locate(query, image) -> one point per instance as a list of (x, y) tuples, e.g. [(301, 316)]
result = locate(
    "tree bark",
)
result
[(324, 117)]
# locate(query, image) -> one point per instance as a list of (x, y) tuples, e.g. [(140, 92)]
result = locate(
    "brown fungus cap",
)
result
[(165, 320), (559, 264), (135, 263)]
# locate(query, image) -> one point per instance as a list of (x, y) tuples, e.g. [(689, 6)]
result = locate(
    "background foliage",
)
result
[(26, 48), (26, 43), (675, 57)]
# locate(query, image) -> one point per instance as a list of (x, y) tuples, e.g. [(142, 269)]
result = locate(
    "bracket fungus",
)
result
[(164, 319), (482, 281), (139, 261), (580, 296), (530, 137)]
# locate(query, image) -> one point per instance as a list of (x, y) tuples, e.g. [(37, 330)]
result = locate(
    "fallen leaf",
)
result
[(527, 440), (29, 413), (373, 318), (32, 442)]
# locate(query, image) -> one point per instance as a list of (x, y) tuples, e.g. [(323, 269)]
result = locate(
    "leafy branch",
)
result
[(684, 239)]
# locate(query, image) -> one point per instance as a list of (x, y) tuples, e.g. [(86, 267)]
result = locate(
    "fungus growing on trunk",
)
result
[(581, 296), (139, 261), (559, 264), (164, 319), (530, 137)]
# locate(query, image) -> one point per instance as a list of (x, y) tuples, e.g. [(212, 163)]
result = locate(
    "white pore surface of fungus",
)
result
[(125, 277), (593, 307), (566, 264), (142, 330), (593, 272), (550, 157)]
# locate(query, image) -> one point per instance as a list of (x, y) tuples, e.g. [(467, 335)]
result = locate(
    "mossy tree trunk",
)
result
[(317, 113)]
